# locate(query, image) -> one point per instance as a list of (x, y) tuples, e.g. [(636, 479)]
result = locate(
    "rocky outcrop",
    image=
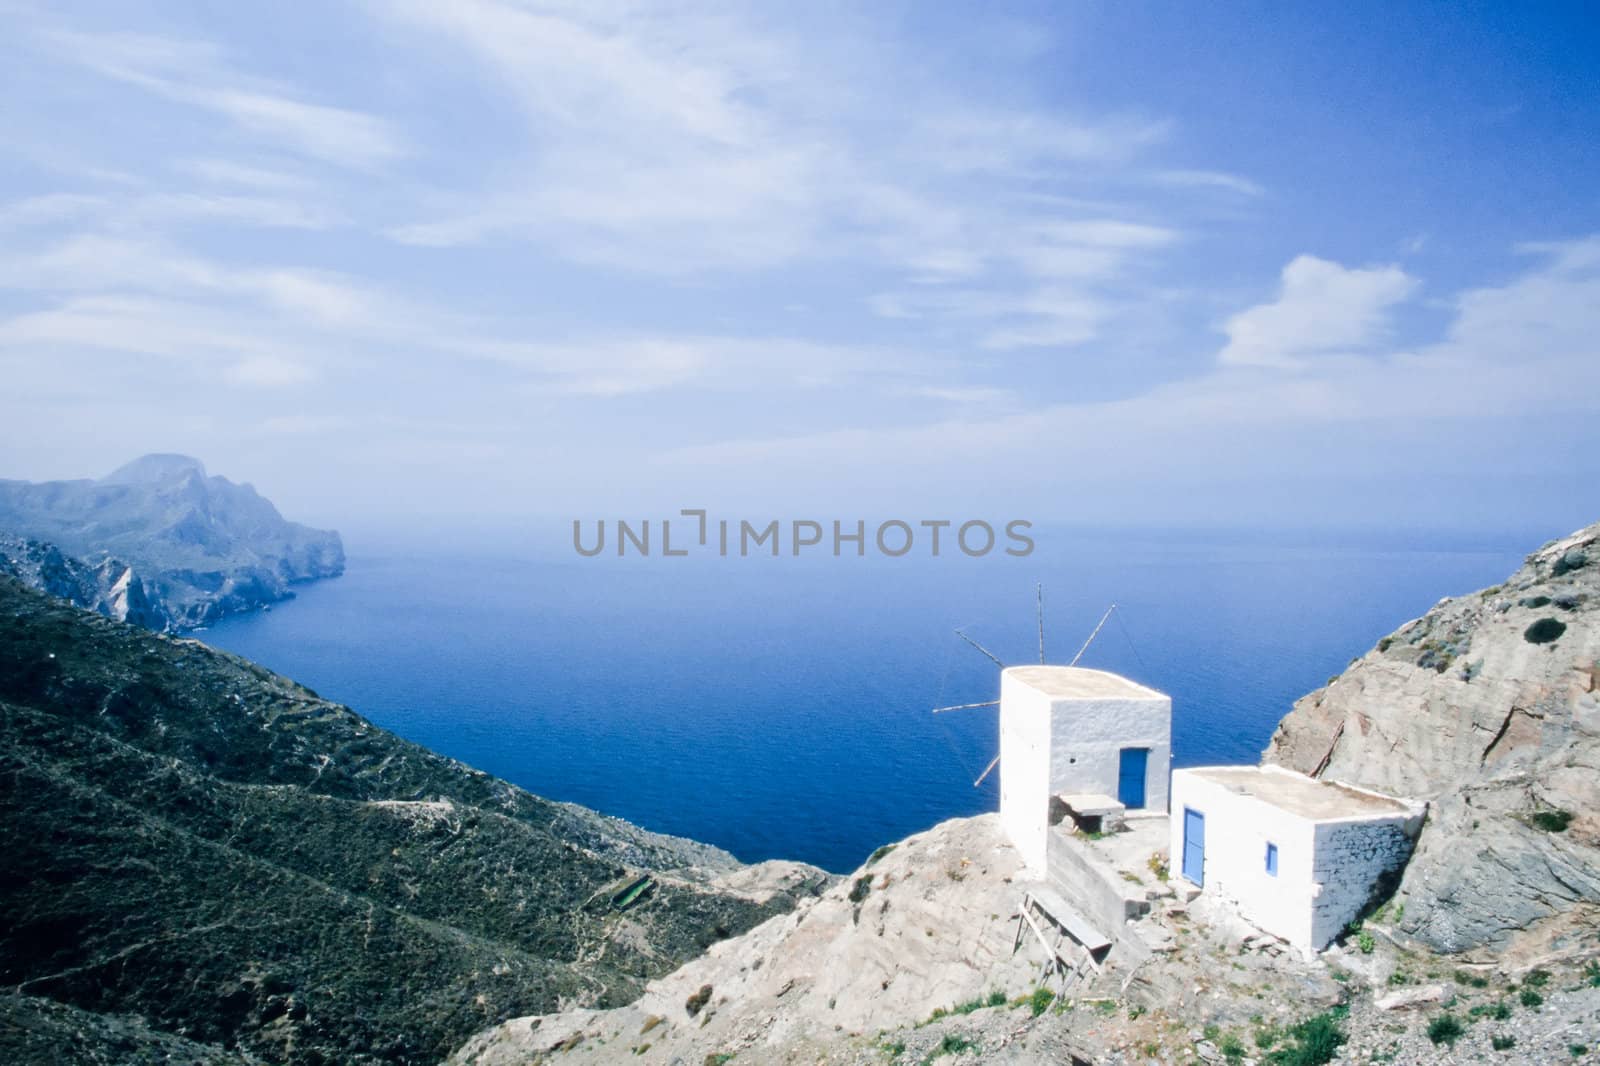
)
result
[(110, 588), (1487, 707), (255, 874), (201, 546)]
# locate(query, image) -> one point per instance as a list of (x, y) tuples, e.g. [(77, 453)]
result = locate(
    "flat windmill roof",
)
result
[(1301, 795), (1079, 683)]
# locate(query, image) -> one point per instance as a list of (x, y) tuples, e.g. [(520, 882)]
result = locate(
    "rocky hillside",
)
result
[(203, 546), (206, 862), (1487, 706), (913, 959)]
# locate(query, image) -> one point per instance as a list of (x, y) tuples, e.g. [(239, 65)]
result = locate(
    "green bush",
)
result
[(1544, 631), (1231, 1047), (1591, 973), (1365, 942), (1530, 998), (1472, 980), (1445, 1029), (1577, 1051), (1316, 1041), (1555, 821), (953, 1044), (1040, 1001), (997, 998), (1539, 978), (1502, 1041)]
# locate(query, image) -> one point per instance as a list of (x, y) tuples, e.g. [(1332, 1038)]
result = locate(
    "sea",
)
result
[(781, 708)]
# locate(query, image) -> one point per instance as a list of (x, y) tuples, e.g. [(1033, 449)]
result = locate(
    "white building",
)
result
[(1299, 857), (1095, 741)]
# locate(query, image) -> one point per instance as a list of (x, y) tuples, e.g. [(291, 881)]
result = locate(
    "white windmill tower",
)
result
[(1071, 738)]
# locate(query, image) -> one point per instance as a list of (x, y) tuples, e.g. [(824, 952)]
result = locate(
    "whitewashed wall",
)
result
[(1087, 737), (1238, 829), (1025, 770)]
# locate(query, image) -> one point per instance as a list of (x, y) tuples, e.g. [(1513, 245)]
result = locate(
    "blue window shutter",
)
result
[(1272, 859)]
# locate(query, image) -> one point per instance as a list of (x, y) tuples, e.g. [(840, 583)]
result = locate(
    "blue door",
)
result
[(1194, 846), (1130, 777)]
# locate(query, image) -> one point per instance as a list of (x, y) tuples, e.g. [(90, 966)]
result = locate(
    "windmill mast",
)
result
[(1039, 608)]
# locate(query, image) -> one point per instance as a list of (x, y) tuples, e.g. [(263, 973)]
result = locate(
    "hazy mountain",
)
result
[(203, 546)]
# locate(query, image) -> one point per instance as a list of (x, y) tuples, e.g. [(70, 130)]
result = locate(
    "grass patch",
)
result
[(1471, 980), (1530, 998), (1365, 943), (880, 853), (1591, 974), (1537, 978), (1502, 1041), (1498, 1011), (1040, 1001), (1231, 1047)]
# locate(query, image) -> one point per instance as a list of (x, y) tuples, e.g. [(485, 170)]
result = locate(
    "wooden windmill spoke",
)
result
[(966, 706), (992, 656)]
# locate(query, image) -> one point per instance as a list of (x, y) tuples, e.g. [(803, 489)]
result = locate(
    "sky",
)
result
[(1257, 265)]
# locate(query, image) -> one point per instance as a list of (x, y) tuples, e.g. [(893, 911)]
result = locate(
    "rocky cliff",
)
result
[(109, 587), (1487, 707), (201, 546), (206, 862)]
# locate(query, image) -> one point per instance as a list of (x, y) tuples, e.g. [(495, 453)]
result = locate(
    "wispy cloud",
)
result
[(1209, 179), (197, 73)]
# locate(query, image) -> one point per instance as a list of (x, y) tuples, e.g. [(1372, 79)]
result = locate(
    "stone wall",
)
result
[(1354, 862)]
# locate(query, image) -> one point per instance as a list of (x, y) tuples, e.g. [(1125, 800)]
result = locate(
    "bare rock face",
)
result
[(109, 587), (1487, 706)]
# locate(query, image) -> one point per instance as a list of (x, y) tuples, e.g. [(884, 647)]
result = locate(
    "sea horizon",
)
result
[(779, 708)]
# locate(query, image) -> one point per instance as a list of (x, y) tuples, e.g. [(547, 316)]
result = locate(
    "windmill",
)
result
[(992, 657)]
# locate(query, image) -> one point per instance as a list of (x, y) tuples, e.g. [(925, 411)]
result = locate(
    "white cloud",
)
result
[(1322, 308), (1530, 347)]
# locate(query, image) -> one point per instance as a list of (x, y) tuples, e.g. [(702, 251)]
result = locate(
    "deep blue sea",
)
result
[(780, 707)]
